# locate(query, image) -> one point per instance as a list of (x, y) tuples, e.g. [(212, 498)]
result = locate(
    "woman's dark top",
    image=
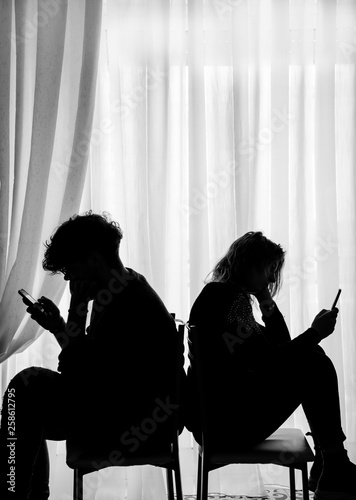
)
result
[(237, 354)]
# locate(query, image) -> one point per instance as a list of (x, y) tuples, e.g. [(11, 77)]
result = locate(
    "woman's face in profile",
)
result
[(259, 278)]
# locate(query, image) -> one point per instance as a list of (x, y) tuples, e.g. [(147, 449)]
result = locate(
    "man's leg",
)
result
[(39, 486), (32, 406)]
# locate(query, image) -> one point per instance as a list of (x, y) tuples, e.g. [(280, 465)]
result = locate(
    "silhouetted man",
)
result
[(114, 388)]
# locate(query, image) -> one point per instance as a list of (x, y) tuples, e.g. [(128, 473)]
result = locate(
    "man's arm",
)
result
[(76, 348), (50, 319), (74, 328), (65, 332), (81, 291)]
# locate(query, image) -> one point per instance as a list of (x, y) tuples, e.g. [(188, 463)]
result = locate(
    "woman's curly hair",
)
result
[(252, 249), (77, 237)]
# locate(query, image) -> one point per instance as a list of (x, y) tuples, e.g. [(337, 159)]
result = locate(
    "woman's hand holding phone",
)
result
[(324, 322), (336, 299)]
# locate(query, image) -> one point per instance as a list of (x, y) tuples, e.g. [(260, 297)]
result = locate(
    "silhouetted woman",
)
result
[(256, 375)]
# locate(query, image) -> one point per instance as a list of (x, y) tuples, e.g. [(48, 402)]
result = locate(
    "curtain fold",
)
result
[(239, 168), (190, 122), (5, 127), (40, 59), (85, 110), (50, 42), (197, 126), (25, 93)]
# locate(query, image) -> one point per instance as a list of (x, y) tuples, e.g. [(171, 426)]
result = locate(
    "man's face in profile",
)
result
[(78, 270)]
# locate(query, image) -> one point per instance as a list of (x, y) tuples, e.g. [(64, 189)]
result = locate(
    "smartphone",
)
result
[(29, 300), (336, 299)]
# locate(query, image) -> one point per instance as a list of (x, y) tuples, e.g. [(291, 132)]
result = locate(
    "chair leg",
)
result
[(199, 477), (204, 480), (292, 483), (78, 485), (304, 470), (170, 489), (178, 481)]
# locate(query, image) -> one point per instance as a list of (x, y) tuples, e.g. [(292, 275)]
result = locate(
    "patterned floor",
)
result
[(274, 493)]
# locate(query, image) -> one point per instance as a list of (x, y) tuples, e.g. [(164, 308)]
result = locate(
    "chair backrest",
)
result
[(81, 455), (178, 371), (199, 369)]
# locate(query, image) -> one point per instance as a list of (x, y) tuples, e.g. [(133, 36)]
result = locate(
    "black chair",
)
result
[(81, 457), (286, 447)]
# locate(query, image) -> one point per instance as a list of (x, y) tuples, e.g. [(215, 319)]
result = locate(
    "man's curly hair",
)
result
[(77, 237)]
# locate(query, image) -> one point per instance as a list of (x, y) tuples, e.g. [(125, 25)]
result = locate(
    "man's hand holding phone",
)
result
[(44, 312)]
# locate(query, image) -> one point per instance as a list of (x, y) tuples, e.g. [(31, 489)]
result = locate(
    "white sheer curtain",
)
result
[(52, 56), (48, 57), (211, 118)]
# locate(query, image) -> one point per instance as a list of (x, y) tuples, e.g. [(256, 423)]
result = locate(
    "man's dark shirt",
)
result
[(121, 375)]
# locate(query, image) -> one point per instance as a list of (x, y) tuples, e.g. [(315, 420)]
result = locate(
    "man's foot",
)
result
[(315, 473), (317, 466), (337, 484), (312, 483)]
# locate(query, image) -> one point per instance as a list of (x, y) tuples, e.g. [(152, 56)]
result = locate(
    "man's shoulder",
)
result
[(139, 295), (138, 284), (126, 280)]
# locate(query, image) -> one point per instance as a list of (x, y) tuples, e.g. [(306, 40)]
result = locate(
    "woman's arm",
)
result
[(276, 330)]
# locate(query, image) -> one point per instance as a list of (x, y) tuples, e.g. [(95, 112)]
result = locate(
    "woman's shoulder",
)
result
[(215, 300), (221, 289)]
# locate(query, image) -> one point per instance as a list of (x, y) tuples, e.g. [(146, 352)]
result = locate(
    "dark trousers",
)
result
[(309, 380), (32, 411), (40, 404), (251, 409)]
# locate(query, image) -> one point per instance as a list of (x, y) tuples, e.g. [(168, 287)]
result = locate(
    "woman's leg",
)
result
[(312, 382), (332, 474), (265, 398), (32, 411), (321, 402)]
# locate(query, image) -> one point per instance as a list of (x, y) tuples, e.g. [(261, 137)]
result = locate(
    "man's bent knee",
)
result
[(25, 376), (30, 375)]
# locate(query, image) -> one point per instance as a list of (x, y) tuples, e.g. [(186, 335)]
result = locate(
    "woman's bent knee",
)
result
[(318, 364)]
